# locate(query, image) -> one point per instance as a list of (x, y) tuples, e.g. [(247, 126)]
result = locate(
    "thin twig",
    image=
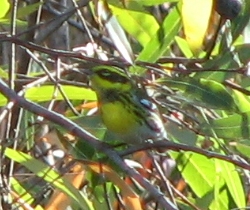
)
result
[(183, 147)]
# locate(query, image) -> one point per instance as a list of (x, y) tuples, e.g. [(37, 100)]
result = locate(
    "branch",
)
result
[(86, 136), (183, 147)]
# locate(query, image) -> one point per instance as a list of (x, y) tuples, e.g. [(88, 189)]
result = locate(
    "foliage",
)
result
[(194, 65)]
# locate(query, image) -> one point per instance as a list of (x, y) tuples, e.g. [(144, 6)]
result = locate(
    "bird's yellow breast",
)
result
[(118, 119)]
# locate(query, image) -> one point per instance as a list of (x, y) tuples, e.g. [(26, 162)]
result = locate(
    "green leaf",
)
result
[(233, 182), (49, 175), (206, 93), (221, 198), (4, 7), (197, 169), (184, 47), (99, 191), (23, 193), (182, 135), (236, 126), (8, 22), (3, 100), (22, 12), (243, 51), (154, 2), (28, 9), (243, 147), (201, 174), (242, 101), (226, 60), (46, 93), (142, 31), (160, 44), (240, 22), (18, 188)]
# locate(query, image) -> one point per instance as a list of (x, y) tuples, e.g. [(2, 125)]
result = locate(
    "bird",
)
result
[(125, 108)]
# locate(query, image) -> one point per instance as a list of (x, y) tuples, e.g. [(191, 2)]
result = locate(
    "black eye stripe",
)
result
[(112, 76)]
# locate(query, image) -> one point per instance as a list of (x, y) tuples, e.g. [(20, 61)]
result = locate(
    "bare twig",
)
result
[(183, 147)]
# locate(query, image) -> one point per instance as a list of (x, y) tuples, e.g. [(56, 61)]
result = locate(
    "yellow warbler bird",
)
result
[(125, 108)]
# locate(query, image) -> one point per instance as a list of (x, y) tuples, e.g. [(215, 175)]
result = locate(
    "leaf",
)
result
[(224, 61), (21, 191), (241, 21), (197, 169), (130, 198), (243, 51), (22, 12), (243, 147), (49, 175), (233, 182), (205, 92), (3, 100), (115, 31), (184, 47), (46, 93), (221, 199), (242, 101), (8, 22), (160, 44), (59, 200), (28, 9), (4, 7), (236, 126), (202, 176), (195, 17), (182, 135), (153, 2), (142, 31)]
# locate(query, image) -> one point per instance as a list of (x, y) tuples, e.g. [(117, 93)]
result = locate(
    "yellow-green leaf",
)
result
[(195, 18), (4, 7), (45, 93)]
